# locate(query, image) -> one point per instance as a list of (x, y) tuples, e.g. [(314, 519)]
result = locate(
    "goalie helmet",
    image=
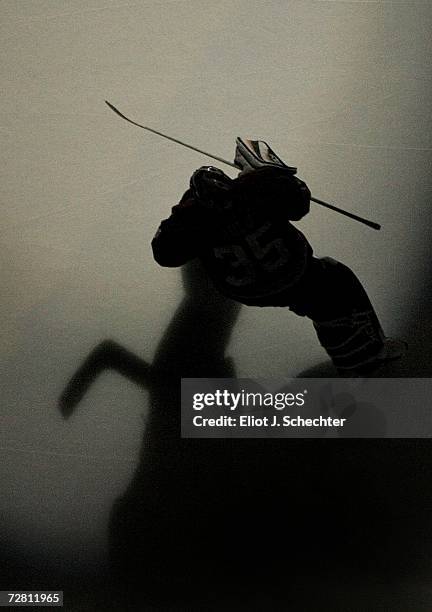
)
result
[(209, 184)]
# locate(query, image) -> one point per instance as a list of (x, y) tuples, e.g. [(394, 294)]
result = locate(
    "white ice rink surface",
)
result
[(340, 89)]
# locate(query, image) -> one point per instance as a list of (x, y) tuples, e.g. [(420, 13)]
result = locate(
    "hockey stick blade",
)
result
[(371, 224), (144, 127)]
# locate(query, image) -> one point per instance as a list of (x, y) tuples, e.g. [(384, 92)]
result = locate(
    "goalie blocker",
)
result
[(254, 154)]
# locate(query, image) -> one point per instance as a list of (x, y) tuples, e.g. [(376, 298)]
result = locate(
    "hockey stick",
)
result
[(371, 224)]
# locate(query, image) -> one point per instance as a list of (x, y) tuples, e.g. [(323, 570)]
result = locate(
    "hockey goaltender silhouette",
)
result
[(240, 230)]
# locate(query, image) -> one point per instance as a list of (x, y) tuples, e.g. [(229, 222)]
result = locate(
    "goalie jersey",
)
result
[(242, 233)]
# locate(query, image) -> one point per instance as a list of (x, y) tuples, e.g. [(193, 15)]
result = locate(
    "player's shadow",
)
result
[(208, 515)]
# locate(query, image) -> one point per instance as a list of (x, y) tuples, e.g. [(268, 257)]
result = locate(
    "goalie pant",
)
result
[(326, 291)]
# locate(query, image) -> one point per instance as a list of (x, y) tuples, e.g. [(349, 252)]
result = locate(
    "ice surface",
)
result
[(339, 89)]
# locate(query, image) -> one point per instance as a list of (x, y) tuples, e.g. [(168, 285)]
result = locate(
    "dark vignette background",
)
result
[(112, 500)]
